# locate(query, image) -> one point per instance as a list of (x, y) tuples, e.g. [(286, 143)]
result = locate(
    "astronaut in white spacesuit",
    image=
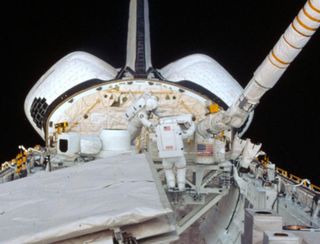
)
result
[(138, 114), (170, 134)]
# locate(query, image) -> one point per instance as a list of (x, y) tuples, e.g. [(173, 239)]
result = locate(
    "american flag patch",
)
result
[(167, 128), (204, 149)]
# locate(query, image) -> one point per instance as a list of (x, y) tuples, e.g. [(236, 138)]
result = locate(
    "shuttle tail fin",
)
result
[(138, 60)]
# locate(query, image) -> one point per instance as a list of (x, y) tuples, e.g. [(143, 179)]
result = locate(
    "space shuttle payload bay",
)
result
[(154, 150)]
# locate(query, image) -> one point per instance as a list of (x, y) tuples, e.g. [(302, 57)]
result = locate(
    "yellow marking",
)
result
[(299, 32), (278, 59), (92, 106), (185, 106), (21, 159), (85, 112), (274, 63), (313, 7), (265, 161), (61, 127), (214, 108), (314, 187), (304, 25), (295, 178), (282, 172), (284, 38), (310, 16)]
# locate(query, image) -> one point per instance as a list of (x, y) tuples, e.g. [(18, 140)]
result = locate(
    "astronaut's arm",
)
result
[(144, 120), (188, 132)]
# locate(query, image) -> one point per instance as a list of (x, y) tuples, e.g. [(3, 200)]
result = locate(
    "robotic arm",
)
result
[(268, 73)]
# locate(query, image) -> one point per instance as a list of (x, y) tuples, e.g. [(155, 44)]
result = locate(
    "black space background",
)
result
[(238, 34)]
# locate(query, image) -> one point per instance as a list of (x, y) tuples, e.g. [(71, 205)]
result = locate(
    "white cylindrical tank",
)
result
[(115, 140), (68, 144), (90, 145)]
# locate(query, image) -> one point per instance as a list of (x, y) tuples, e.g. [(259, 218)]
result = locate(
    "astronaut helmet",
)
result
[(151, 103)]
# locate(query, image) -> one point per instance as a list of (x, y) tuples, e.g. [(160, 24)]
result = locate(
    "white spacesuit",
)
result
[(138, 114), (170, 134), (245, 151)]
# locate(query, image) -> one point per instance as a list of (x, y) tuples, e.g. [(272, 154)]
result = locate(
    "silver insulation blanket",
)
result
[(53, 206)]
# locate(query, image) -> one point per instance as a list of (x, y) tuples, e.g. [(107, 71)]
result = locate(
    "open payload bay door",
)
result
[(90, 201)]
